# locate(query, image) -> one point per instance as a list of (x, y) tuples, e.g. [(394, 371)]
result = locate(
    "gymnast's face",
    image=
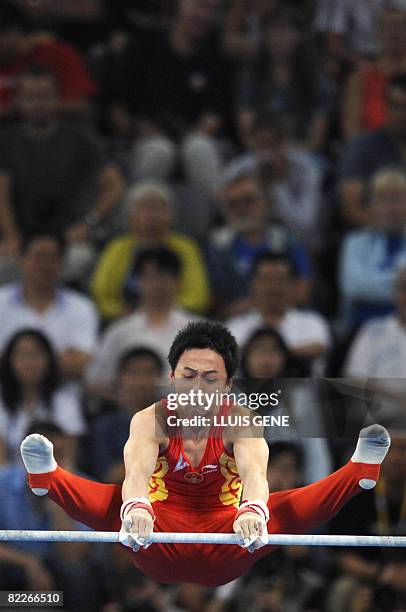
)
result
[(200, 369)]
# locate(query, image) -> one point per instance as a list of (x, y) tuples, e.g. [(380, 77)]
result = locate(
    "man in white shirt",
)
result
[(154, 323), (379, 349), (67, 318), (305, 332), (379, 352)]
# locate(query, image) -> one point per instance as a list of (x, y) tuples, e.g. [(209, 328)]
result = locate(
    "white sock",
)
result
[(37, 453), (372, 447)]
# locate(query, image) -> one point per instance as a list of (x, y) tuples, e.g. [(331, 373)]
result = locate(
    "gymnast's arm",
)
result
[(140, 454), (251, 456)]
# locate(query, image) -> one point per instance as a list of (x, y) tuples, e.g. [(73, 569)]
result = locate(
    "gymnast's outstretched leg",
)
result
[(301, 510), (296, 511), (92, 503)]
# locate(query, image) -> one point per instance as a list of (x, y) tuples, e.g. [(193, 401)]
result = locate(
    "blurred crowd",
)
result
[(168, 160)]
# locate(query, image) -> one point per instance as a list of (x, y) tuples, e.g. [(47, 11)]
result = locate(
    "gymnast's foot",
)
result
[(38, 457), (372, 447)]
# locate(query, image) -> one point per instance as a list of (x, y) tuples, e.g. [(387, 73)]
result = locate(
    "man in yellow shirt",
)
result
[(149, 223)]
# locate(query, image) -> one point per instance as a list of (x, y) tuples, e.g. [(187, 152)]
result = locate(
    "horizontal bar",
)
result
[(204, 538)]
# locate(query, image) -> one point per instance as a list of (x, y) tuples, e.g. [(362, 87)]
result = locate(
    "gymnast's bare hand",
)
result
[(252, 529), (136, 529)]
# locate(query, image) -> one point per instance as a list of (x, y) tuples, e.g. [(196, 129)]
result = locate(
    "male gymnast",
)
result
[(205, 480)]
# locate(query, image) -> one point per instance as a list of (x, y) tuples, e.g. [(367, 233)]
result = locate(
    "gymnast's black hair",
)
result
[(210, 335)]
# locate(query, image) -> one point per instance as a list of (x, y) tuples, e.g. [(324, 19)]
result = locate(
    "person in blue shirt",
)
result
[(370, 257), (247, 234)]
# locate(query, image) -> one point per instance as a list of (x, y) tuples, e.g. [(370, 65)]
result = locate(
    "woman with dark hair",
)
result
[(30, 388), (266, 356)]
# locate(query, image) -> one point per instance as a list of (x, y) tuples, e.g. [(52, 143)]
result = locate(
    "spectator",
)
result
[(266, 355), (380, 511), (19, 49), (30, 388), (305, 332), (379, 349), (49, 172), (371, 256), (150, 217), (364, 105), (177, 85), (376, 358), (68, 319), (247, 234), (137, 374), (286, 76), (44, 565), (244, 27), (350, 28), (284, 466), (290, 176), (373, 151), (265, 358), (153, 324)]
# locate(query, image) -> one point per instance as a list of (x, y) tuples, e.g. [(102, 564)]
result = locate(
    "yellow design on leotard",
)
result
[(231, 489), (157, 490)]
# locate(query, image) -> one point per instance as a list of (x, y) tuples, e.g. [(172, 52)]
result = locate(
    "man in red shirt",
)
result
[(19, 49)]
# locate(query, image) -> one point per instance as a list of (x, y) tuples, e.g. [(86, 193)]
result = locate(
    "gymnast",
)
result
[(209, 480)]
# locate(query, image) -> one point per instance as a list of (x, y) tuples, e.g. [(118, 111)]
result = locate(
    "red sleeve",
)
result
[(69, 69)]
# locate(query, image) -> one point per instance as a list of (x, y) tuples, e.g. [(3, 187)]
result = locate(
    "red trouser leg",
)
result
[(92, 503), (301, 510)]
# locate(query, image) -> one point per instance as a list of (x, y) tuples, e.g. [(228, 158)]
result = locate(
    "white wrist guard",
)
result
[(136, 502), (257, 506)]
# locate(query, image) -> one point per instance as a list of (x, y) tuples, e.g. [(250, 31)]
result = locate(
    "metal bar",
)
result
[(204, 538)]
